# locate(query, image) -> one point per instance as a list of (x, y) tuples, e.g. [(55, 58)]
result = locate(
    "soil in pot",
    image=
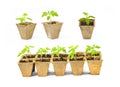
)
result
[(29, 56), (42, 64), (26, 29), (59, 64), (44, 58), (26, 67), (77, 64), (83, 23), (52, 29), (95, 57), (62, 57), (79, 56), (87, 30), (94, 63)]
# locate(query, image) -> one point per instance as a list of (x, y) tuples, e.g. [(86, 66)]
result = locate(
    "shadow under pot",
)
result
[(94, 63), (42, 64), (26, 29), (77, 63), (87, 30), (59, 64), (52, 29), (26, 67)]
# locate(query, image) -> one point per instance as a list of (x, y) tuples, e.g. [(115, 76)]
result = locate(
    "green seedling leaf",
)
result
[(20, 19), (26, 49), (91, 17), (57, 50), (85, 13), (49, 14), (44, 14), (72, 51), (48, 17), (92, 49), (42, 51), (97, 46), (82, 19), (24, 18), (93, 52), (76, 46), (29, 18), (25, 14), (53, 13)]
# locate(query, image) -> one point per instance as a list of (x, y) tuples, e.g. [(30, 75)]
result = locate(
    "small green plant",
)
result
[(57, 50), (72, 51), (93, 50), (49, 14), (26, 49), (42, 51), (86, 18), (23, 18)]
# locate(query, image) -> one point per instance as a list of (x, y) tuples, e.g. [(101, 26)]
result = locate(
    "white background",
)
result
[(106, 34)]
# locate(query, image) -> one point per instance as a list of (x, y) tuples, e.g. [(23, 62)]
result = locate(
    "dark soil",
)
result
[(79, 56), (90, 58), (52, 22), (25, 61), (29, 56), (43, 60), (94, 57), (83, 23), (78, 59), (45, 56), (62, 57), (88, 54)]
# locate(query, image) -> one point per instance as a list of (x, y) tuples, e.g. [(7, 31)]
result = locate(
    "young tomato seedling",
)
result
[(26, 49), (72, 51), (24, 18), (42, 51), (93, 50), (49, 14), (86, 18), (57, 50)]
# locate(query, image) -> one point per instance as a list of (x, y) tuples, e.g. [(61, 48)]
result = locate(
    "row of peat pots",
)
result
[(28, 63), (53, 28)]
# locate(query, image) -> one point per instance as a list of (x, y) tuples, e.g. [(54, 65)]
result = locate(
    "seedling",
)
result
[(93, 50), (26, 49), (49, 14), (72, 51), (86, 18), (57, 50), (24, 18), (42, 51)]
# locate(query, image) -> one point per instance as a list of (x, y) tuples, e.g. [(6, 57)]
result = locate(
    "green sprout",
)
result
[(93, 50), (86, 18), (72, 51), (49, 14), (42, 51), (23, 18), (57, 50), (26, 49)]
